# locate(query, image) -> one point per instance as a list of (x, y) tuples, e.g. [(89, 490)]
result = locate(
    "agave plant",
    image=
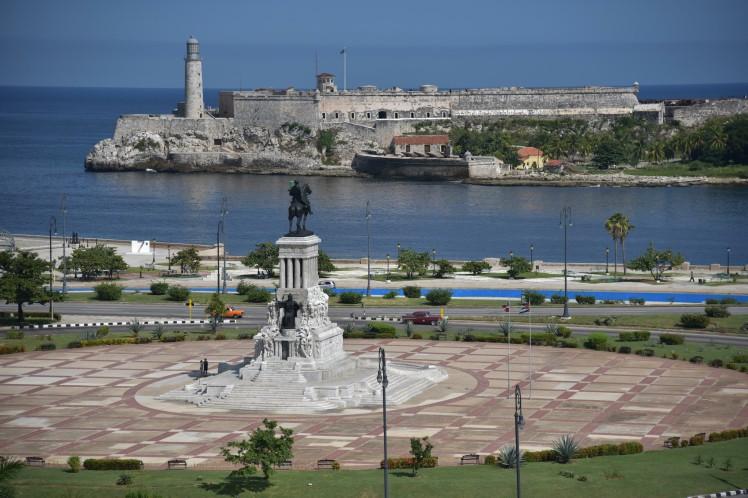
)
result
[(9, 467), (507, 457), (505, 328), (551, 328), (565, 447)]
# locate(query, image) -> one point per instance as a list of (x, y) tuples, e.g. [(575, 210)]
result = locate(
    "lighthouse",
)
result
[(193, 81)]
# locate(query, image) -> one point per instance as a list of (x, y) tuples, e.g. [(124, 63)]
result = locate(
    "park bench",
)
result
[(471, 459), (326, 464), (285, 465), (35, 461), (176, 463)]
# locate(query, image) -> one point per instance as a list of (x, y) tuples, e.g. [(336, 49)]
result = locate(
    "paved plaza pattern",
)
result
[(101, 401)]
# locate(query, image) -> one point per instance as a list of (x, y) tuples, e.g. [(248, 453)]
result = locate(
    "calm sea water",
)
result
[(46, 132)]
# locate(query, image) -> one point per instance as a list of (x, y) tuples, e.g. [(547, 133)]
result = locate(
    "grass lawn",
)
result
[(731, 324), (665, 473), (691, 169)]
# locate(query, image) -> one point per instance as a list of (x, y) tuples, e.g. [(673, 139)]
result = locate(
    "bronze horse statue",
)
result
[(300, 207)]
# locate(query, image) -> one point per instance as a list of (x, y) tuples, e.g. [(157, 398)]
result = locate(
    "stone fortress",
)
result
[(267, 130)]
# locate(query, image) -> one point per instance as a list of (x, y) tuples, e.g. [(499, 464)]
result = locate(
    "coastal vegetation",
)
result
[(628, 140), (22, 280)]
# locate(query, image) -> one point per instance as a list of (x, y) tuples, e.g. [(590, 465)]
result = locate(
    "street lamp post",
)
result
[(607, 253), (565, 223), (224, 212), (52, 228), (382, 379), (64, 210), (433, 259), (398, 255), (519, 423), (153, 261), (218, 256), (388, 266), (168, 248), (532, 260), (728, 261), (368, 251)]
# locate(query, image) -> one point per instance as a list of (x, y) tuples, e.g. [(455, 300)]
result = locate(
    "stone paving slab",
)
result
[(101, 402)]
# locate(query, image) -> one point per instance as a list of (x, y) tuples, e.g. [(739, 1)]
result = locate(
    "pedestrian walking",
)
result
[(205, 366), (691, 280)]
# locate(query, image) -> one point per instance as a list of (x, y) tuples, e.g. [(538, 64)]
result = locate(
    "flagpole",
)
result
[(345, 69), (529, 312)]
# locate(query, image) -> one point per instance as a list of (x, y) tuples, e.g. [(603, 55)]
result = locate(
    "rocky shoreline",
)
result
[(606, 180)]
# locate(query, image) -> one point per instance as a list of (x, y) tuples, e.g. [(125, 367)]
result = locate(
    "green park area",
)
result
[(666, 473)]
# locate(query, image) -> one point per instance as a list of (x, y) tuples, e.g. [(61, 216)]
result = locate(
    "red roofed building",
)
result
[(421, 145), (531, 157)]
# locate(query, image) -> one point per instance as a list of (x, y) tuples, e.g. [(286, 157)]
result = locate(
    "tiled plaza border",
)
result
[(115, 324), (89, 403)]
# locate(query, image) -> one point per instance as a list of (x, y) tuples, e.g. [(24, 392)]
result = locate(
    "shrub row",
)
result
[(407, 463), (728, 434), (365, 334), (112, 464), (671, 339), (439, 297), (10, 349), (626, 448), (29, 314), (717, 311), (639, 335), (412, 291), (253, 293), (350, 298), (694, 321), (585, 299), (727, 300)]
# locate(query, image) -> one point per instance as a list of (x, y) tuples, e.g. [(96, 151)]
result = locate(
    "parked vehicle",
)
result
[(421, 318), (327, 284), (232, 312)]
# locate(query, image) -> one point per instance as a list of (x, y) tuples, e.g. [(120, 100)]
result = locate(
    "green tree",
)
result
[(420, 449), (214, 310), (656, 262), (516, 265), (443, 267), (618, 226), (324, 263), (476, 267), (264, 448), (736, 148), (22, 280), (93, 261), (413, 262), (609, 152), (188, 260), (265, 256)]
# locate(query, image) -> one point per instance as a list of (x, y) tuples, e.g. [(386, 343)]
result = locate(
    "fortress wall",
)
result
[(403, 103), (167, 125), (273, 111), (695, 115)]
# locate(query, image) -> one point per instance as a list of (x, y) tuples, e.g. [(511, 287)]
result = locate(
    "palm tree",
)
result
[(9, 467), (625, 227), (611, 225)]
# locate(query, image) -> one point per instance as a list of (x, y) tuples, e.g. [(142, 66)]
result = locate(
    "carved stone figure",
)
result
[(304, 338), (290, 308)]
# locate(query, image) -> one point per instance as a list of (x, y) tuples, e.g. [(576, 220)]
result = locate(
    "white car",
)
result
[(327, 284)]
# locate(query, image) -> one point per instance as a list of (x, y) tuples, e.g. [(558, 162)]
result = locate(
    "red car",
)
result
[(421, 318)]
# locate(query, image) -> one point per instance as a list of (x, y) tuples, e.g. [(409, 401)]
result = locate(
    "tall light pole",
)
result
[(398, 255), (382, 379), (519, 423), (388, 266), (153, 261), (565, 223), (368, 251), (607, 253), (64, 209), (224, 212), (532, 261), (218, 256), (168, 248), (728, 261), (52, 228), (433, 260)]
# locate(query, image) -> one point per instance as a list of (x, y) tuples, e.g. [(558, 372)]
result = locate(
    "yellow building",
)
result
[(531, 158)]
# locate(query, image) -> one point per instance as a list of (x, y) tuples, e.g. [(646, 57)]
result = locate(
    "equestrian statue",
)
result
[(300, 208)]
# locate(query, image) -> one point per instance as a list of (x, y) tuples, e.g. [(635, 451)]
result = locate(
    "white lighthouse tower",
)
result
[(193, 80)]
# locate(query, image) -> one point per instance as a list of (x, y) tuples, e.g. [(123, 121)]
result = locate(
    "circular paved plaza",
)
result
[(102, 402)]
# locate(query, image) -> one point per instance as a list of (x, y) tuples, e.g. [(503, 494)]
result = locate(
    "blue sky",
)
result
[(140, 43)]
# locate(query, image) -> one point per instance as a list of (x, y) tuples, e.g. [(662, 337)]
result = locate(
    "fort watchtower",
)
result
[(326, 83), (193, 81)]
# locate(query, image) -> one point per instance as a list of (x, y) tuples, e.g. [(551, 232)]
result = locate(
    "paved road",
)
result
[(178, 310)]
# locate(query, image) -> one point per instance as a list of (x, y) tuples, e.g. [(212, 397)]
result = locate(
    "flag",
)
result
[(342, 52), (525, 308)]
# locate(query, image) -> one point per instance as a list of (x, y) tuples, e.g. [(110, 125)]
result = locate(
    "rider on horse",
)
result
[(300, 206)]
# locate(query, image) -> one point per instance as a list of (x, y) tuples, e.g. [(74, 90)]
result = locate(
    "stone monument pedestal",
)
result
[(299, 364)]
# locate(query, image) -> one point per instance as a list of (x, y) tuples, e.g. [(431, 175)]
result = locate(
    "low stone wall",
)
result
[(168, 125), (695, 115)]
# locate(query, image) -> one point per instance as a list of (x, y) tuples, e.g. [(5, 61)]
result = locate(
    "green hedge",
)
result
[(671, 339), (178, 293), (159, 288), (381, 328), (534, 298), (626, 448), (694, 321), (597, 341), (407, 463), (639, 335), (10, 349), (585, 299), (112, 464), (558, 299), (412, 291), (439, 297), (108, 292), (717, 311), (728, 434), (254, 294), (350, 298)]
